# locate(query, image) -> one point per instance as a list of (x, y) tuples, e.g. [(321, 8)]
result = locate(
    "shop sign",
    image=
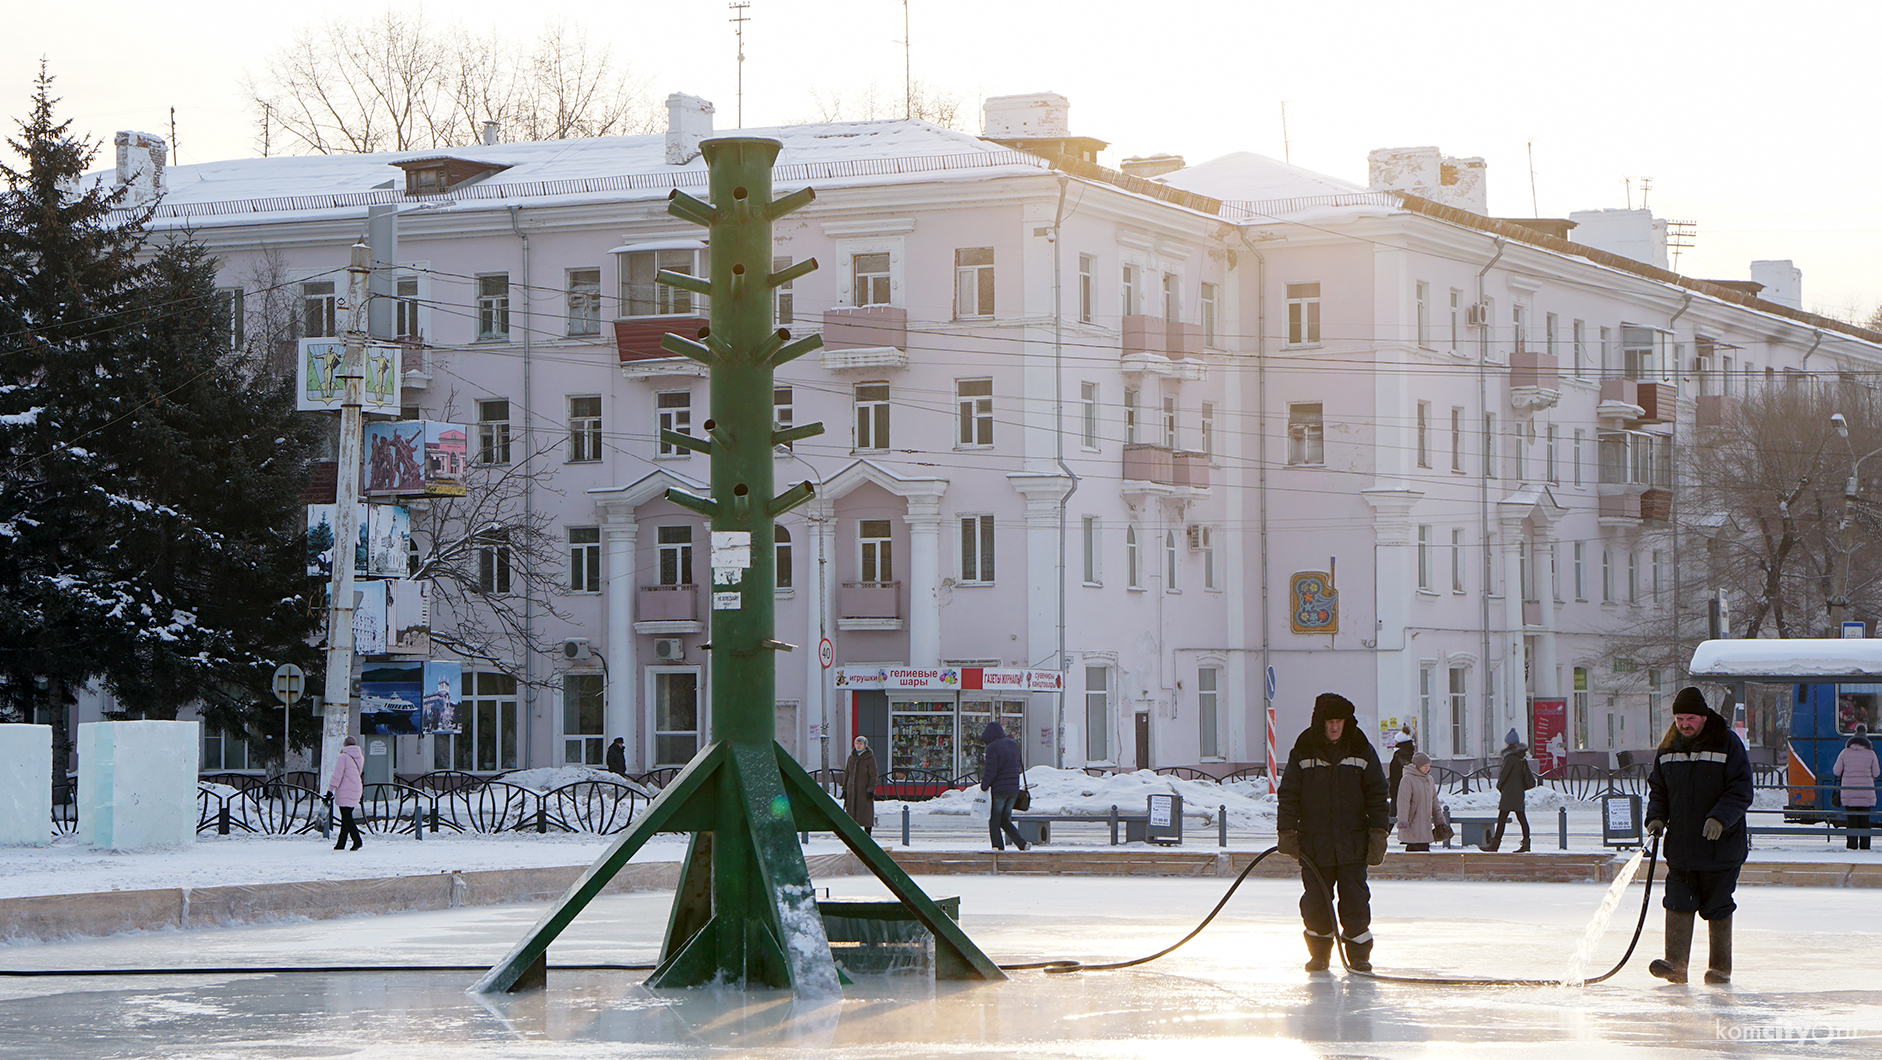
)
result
[(949, 679)]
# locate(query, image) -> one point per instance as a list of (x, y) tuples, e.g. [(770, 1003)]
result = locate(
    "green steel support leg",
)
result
[(956, 956)]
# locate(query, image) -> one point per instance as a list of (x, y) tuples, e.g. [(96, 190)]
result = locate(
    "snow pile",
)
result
[(1072, 791), (562, 776)]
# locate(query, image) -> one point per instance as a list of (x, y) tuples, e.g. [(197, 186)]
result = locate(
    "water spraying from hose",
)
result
[(1576, 974)]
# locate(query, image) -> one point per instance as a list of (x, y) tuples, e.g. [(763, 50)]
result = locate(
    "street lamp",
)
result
[(1840, 601)]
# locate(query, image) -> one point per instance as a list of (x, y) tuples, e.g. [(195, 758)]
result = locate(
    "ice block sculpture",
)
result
[(25, 785), (137, 784)]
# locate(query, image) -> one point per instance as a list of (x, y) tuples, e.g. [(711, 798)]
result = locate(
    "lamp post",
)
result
[(1840, 601)]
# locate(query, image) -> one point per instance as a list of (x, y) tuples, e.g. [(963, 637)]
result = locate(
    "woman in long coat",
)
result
[(1417, 804), (1857, 766), (859, 784)]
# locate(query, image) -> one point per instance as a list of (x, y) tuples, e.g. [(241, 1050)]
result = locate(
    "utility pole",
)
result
[(908, 78), (738, 20), (339, 687)]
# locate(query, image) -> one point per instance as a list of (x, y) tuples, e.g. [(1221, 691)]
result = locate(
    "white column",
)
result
[(1510, 516), (1395, 558), (820, 519), (924, 580), (1548, 682), (1042, 493), (618, 532)]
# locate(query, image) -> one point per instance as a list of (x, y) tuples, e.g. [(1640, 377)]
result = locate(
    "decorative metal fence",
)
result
[(445, 800)]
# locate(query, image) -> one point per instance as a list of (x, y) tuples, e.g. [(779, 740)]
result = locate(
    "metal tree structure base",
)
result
[(744, 913)]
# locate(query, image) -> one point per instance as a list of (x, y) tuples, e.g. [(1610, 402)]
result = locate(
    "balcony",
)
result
[(1183, 340), (1620, 509), (865, 337), (1189, 469), (1150, 344), (1143, 334), (1657, 402), (1154, 469), (1532, 368), (1148, 463), (638, 338), (1656, 506), (414, 366), (1714, 410), (869, 606), (667, 609)]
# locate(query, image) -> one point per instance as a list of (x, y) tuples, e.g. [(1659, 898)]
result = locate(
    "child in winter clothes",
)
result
[(1858, 767)]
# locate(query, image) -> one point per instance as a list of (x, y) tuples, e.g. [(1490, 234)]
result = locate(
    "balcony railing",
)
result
[(667, 603), (1715, 410), (1189, 469), (879, 600), (1531, 368), (863, 327), (1147, 463), (638, 338)]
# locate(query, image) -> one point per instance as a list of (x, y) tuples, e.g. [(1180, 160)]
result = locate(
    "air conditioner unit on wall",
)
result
[(1479, 316), (1198, 536), (669, 649), (576, 649)]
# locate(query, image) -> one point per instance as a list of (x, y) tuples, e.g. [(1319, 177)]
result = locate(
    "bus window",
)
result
[(1853, 709)]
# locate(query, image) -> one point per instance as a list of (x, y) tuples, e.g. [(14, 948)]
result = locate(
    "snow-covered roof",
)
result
[(1784, 660), (1246, 175), (612, 167)]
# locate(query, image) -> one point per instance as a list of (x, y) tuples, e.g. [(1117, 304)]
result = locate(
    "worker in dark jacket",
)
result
[(1697, 795), (999, 778), (1332, 817)]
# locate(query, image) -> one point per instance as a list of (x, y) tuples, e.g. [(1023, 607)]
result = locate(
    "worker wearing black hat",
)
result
[(1332, 814), (1697, 795)]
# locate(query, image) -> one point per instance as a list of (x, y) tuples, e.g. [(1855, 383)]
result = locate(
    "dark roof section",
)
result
[(1517, 232), (1153, 189), (1549, 226)]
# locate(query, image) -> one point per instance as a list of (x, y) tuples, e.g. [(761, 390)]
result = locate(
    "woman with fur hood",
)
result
[(1513, 780), (1858, 767)]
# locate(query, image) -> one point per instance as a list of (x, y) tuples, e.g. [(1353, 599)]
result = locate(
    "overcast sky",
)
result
[(1752, 120)]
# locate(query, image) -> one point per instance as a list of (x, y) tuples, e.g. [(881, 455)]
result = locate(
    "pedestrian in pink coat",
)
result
[(345, 787), (1858, 767)]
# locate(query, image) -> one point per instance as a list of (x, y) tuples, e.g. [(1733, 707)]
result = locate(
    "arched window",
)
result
[(1169, 560), (1133, 563), (783, 557)]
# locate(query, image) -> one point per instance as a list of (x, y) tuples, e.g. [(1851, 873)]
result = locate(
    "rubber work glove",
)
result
[(1713, 829), (1289, 844), (1375, 847), (1654, 828)]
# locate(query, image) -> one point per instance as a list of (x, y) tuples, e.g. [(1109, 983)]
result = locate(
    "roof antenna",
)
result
[(739, 19), (1535, 210), (1286, 156)]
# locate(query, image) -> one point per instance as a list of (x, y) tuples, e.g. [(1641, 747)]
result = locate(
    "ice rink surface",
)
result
[(1808, 984)]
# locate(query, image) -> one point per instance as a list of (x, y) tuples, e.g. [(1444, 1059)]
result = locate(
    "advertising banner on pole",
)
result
[(1550, 739), (323, 388), (440, 713), (414, 458)]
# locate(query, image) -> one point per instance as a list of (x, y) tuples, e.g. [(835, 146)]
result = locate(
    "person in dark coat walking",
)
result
[(1404, 745), (1331, 816), (859, 784), (999, 777), (1697, 795), (1514, 780), (617, 756)]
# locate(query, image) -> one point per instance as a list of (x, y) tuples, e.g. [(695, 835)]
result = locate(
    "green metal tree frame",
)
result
[(745, 912)]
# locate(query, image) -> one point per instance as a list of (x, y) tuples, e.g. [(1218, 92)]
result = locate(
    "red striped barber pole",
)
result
[(1273, 763)]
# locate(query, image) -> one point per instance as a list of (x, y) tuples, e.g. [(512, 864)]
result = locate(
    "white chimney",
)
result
[(1635, 234), (1783, 282), (493, 133), (1037, 115), (141, 159), (1430, 174), (689, 120)]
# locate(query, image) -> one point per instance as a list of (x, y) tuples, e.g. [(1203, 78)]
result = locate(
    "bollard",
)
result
[(222, 820), (1561, 826), (434, 816), (418, 820), (1114, 824), (1222, 825), (905, 824)]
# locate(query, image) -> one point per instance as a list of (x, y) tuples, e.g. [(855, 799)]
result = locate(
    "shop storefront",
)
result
[(931, 720)]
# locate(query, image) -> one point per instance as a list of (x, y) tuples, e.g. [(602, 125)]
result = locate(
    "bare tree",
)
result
[(922, 102), (394, 83)]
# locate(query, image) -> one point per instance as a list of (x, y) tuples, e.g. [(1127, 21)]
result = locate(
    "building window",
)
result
[(584, 713), (977, 549), (1654, 574), (223, 749), (1519, 326), (673, 411), (1548, 333), (781, 553), (1303, 314), (1172, 299), (584, 301), (872, 416), (1424, 432), (584, 559), (974, 400), (1097, 713), (584, 429), (493, 561), (1457, 318), (1576, 453), (1207, 302), (1646, 353), (1607, 575), (488, 739), (871, 275), (1088, 534), (1457, 559), (1656, 694), (783, 302), (493, 432), (1525, 571), (1549, 458), (1422, 302), (493, 306), (1205, 545), (1581, 581), (973, 282), (1427, 687), (1127, 291), (1460, 707), (1581, 708), (675, 717), (229, 304), (1088, 425), (675, 545), (1169, 562), (643, 295), (1208, 431), (783, 413), (1169, 422), (405, 326), (875, 558), (1133, 560), (1424, 558), (1210, 745), (1085, 265), (1579, 330), (1489, 445), (1306, 434), (1130, 416), (320, 310), (1457, 439)]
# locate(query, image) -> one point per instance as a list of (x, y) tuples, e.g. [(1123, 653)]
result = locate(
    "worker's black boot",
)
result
[(1719, 962), (1319, 951), (1359, 954), (1678, 948)]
